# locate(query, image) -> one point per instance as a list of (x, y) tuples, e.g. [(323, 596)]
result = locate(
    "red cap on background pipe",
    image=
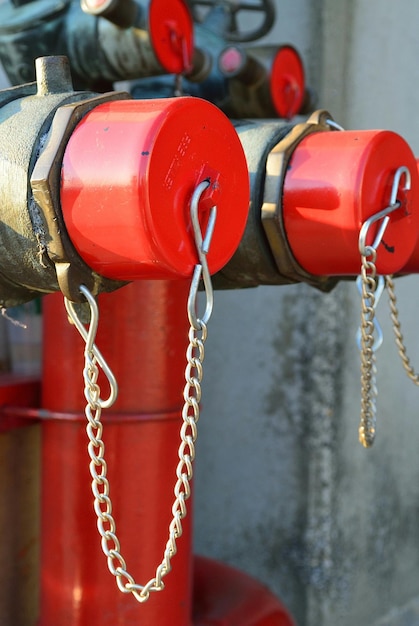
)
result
[(170, 27), (281, 68), (287, 82), (337, 180), (128, 175)]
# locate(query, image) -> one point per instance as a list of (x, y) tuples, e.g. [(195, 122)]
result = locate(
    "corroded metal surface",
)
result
[(29, 239)]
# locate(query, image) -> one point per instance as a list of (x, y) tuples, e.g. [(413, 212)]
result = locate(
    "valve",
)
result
[(313, 188), (96, 189), (263, 82), (258, 82), (169, 24), (124, 40), (133, 39)]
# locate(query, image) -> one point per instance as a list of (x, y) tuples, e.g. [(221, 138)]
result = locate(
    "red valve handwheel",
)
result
[(287, 83), (170, 26), (129, 171), (335, 181)]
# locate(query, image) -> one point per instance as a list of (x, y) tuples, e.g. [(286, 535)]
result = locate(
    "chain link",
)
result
[(188, 432), (394, 314), (368, 367)]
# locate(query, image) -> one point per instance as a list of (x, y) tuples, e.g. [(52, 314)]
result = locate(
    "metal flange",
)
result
[(71, 270), (272, 212)]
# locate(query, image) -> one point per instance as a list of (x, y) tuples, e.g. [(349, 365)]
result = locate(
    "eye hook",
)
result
[(202, 243), (396, 183), (89, 336)]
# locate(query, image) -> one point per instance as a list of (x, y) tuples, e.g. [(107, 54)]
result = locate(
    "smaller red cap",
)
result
[(337, 180), (171, 33), (287, 82)]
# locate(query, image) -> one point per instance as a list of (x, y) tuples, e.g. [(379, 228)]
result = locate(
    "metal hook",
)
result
[(202, 245), (89, 336), (396, 183), (384, 214)]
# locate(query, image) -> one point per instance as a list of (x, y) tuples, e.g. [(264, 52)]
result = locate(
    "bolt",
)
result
[(53, 75)]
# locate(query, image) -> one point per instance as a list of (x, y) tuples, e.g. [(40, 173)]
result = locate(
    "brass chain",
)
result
[(394, 315), (368, 362), (188, 432), (369, 281)]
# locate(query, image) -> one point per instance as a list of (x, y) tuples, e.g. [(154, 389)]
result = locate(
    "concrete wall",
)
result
[(284, 490)]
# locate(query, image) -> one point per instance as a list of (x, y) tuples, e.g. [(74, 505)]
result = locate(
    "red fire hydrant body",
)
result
[(143, 334)]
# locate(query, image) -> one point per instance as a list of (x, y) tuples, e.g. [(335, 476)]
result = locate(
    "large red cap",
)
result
[(129, 171), (287, 82), (171, 33), (336, 181)]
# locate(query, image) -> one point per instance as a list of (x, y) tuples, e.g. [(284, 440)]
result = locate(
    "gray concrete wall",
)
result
[(284, 490)]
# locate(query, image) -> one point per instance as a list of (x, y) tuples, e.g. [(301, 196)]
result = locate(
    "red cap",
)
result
[(171, 33), (336, 181), (287, 82), (129, 171)]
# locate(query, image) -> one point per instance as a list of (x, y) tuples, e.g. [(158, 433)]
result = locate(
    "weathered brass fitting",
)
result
[(36, 120), (272, 213)]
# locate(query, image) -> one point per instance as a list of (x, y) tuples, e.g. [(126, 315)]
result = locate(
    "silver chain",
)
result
[(190, 416), (369, 282)]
